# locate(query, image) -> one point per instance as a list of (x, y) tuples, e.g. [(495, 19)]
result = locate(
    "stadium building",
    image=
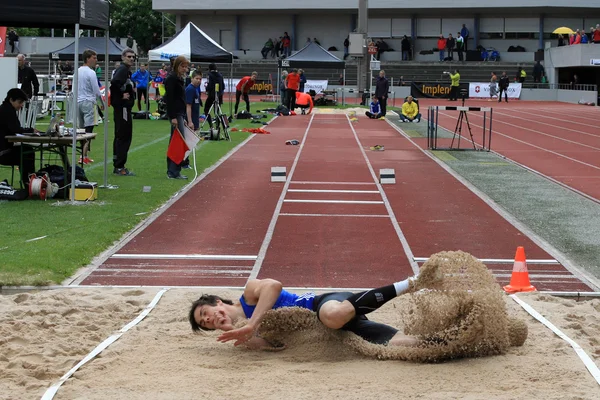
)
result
[(523, 25)]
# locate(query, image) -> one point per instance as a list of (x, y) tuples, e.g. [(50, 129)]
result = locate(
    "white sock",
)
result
[(403, 286)]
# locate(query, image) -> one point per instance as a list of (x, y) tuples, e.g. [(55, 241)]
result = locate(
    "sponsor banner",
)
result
[(2, 40), (317, 86), (482, 90), (593, 61), (266, 87), (434, 90)]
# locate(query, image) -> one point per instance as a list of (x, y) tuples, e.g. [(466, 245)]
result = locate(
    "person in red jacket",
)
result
[(242, 89), (596, 37), (441, 45), (304, 101)]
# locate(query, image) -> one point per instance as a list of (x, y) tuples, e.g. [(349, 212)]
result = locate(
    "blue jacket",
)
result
[(375, 108), (141, 79)]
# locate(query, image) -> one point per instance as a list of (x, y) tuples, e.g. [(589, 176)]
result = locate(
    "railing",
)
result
[(561, 86)]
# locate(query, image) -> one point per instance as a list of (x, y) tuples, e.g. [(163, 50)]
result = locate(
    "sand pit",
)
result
[(44, 334)]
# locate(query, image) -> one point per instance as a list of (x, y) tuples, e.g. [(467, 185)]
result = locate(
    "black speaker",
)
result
[(473, 55)]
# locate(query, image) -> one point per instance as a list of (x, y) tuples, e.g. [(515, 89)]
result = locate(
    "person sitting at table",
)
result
[(10, 126), (304, 101)]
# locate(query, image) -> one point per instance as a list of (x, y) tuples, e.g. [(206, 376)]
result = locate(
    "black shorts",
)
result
[(370, 331)]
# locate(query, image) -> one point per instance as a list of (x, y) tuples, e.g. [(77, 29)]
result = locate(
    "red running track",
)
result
[(558, 140), (329, 225)]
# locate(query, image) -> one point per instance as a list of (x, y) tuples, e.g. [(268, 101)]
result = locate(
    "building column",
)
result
[(475, 33), (413, 28), (353, 19), (294, 43), (541, 40), (236, 33), (178, 23)]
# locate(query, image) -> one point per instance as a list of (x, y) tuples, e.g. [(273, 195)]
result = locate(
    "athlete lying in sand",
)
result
[(336, 310)]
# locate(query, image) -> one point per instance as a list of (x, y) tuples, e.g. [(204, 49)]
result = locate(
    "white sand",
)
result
[(43, 335)]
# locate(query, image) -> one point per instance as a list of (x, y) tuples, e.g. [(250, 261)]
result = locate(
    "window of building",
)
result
[(491, 28)]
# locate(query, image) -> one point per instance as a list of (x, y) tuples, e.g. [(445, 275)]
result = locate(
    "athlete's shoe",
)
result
[(122, 172), (377, 147)]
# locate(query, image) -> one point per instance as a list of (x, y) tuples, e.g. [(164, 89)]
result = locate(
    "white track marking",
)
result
[(82, 274), (174, 271), (184, 256), (335, 215), (51, 392), (334, 201), (393, 219), (269, 235), (584, 276), (331, 191), (542, 133), (532, 115), (500, 261), (534, 146), (330, 183), (587, 361)]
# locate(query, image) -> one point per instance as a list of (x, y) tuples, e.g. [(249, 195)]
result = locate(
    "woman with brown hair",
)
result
[(176, 109)]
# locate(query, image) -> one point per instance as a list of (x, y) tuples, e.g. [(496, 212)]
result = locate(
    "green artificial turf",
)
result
[(45, 242)]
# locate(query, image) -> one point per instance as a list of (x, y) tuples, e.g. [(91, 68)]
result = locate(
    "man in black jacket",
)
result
[(503, 86), (10, 126), (214, 78), (27, 78), (122, 99), (382, 87)]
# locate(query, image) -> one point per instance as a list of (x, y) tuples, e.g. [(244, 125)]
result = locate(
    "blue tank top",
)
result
[(285, 299)]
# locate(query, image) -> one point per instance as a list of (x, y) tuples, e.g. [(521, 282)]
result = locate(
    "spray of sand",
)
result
[(456, 309)]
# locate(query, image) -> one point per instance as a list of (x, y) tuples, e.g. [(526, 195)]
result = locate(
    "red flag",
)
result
[(177, 147), (2, 40)]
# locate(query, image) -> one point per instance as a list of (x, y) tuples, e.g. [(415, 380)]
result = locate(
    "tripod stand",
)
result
[(218, 127), (462, 117)]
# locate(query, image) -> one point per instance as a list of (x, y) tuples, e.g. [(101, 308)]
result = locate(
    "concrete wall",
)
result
[(567, 96), (256, 29), (571, 56)]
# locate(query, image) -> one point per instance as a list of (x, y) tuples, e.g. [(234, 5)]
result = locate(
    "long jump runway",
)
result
[(331, 224)]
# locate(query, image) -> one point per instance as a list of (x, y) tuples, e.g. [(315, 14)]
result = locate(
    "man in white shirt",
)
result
[(88, 95)]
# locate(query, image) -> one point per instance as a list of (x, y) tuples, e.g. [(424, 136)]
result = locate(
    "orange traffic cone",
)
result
[(519, 281)]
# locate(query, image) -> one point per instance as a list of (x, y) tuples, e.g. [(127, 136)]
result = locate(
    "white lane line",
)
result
[(172, 270), (51, 392), (541, 276), (330, 183), (393, 219), (334, 201), (547, 117), (330, 191), (144, 265), (497, 121), (269, 235), (335, 215), (184, 256), (532, 145), (583, 275), (500, 260), (587, 361)]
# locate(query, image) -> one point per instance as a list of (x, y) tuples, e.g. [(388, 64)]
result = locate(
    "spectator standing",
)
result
[(584, 38), (88, 96), (538, 72), (460, 44), (283, 87), (575, 82), (277, 50), (13, 40), (286, 44), (597, 34), (242, 89), (116, 67), (493, 86), (561, 40), (292, 86), (193, 100), (267, 48), (302, 80), (441, 45), (122, 98), (346, 46), (10, 126), (382, 87), (464, 32), (176, 108), (522, 75), (27, 78), (374, 109), (405, 45), (450, 45), (141, 78), (503, 86), (341, 80)]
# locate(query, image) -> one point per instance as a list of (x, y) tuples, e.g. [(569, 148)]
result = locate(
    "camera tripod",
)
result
[(218, 124), (462, 117)]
